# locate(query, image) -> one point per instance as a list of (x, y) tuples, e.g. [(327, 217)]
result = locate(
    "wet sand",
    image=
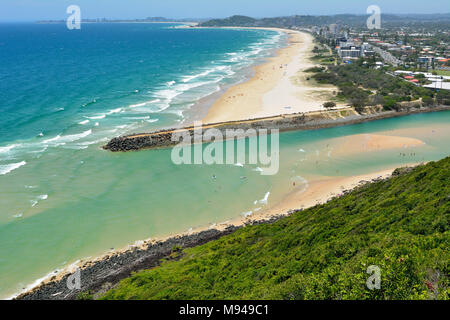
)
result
[(319, 189), (372, 142)]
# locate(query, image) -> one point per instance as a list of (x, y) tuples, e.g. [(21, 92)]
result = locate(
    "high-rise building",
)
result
[(334, 29)]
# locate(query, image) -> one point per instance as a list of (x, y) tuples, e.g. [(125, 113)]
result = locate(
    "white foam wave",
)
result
[(205, 73), (246, 214), (60, 140), (167, 94), (40, 150), (113, 111), (5, 169), (137, 118), (39, 198), (84, 122), (34, 284), (88, 143), (7, 148), (52, 139), (143, 104), (97, 117), (264, 200)]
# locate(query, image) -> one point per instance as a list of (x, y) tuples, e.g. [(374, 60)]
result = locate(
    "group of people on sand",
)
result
[(412, 154)]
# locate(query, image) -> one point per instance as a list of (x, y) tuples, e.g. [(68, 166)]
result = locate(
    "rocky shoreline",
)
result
[(291, 122), (99, 276)]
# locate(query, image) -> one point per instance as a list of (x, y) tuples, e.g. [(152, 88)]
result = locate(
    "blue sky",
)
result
[(31, 10)]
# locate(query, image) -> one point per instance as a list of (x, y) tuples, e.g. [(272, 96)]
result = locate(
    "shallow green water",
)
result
[(97, 200)]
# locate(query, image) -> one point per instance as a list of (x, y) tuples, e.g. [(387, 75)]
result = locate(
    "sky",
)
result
[(33, 10)]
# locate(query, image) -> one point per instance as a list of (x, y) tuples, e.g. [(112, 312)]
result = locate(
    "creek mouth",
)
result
[(289, 122)]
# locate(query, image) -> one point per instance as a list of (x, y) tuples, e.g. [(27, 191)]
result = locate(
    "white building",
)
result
[(350, 52), (442, 85)]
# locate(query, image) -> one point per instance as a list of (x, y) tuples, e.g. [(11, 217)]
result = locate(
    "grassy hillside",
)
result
[(400, 225)]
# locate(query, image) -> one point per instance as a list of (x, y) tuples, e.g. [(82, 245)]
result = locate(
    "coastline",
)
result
[(105, 271), (318, 192), (294, 122), (277, 87)]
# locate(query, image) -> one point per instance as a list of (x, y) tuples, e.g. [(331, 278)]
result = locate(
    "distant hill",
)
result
[(241, 21), (307, 20), (149, 19), (400, 225), (285, 22)]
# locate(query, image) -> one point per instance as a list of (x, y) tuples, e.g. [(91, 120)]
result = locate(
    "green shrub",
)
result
[(329, 105), (427, 101), (390, 104), (400, 225), (315, 70)]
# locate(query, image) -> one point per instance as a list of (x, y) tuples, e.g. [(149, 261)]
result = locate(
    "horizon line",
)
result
[(215, 18)]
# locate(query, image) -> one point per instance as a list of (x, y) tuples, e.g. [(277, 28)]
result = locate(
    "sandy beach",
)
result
[(322, 190), (278, 86), (319, 191)]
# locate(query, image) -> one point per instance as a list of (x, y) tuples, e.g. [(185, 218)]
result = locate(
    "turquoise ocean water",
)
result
[(64, 93)]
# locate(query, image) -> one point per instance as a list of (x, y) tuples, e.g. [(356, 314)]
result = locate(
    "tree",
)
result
[(329, 105), (427, 101), (390, 104)]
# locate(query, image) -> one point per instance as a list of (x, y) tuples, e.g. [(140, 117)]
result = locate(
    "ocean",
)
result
[(65, 93)]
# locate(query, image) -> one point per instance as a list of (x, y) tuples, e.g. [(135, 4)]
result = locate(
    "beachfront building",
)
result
[(350, 52), (347, 50)]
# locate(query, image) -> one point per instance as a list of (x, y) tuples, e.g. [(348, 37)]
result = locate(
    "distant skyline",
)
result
[(33, 10)]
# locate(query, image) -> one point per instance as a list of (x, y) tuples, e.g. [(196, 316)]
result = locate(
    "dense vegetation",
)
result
[(400, 225), (361, 85)]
